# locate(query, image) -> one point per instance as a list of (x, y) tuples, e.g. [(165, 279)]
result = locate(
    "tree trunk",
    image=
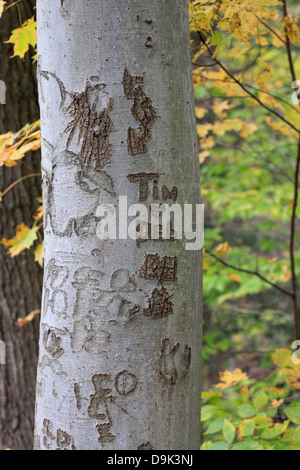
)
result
[(119, 364), (21, 277)]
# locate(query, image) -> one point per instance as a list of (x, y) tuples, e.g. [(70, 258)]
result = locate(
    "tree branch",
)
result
[(249, 271), (288, 44)]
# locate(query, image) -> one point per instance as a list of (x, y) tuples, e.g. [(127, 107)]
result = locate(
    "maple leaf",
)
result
[(220, 108), (234, 277), (23, 37), (207, 143), (23, 321), (14, 147), (228, 379), (223, 249), (201, 112), (24, 239), (39, 254)]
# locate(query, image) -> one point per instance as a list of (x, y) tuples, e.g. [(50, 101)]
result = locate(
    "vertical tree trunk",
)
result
[(120, 331), (21, 277)]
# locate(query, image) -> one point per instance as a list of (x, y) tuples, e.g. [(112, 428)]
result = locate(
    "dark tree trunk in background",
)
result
[(21, 277)]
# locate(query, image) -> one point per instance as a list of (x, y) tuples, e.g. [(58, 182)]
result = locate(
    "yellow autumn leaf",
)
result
[(286, 274), (277, 391), (282, 357), (292, 375), (262, 41), (207, 143), (39, 214), (228, 379), (223, 249), (24, 239), (275, 404), (23, 321), (244, 391), (272, 260), (23, 37), (292, 29), (39, 254), (2, 5), (234, 277), (206, 260), (248, 129), (203, 156), (203, 129), (201, 112), (14, 146), (220, 108), (280, 127)]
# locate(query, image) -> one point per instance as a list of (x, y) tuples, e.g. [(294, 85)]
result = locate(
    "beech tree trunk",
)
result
[(21, 277), (119, 364)]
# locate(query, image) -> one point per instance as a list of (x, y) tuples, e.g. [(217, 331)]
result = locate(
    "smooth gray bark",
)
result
[(119, 364)]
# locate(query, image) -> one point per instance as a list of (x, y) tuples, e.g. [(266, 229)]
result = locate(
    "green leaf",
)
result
[(206, 445), (246, 411), (208, 412), (247, 427), (293, 413), (260, 400), (215, 426), (248, 445), (228, 431), (216, 39), (218, 446)]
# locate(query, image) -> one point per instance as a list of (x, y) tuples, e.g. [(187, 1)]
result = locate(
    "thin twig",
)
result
[(249, 271), (295, 198), (17, 182)]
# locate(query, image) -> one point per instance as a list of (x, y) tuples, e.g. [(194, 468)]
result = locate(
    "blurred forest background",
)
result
[(245, 59)]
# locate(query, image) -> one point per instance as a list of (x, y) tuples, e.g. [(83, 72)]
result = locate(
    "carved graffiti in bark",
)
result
[(52, 344), (173, 365), (125, 382), (54, 297), (167, 363), (104, 433), (162, 270), (63, 440), (146, 446), (144, 179), (101, 396), (159, 304), (142, 111), (93, 126)]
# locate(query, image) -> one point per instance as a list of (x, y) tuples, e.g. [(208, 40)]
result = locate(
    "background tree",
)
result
[(120, 329), (22, 274)]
